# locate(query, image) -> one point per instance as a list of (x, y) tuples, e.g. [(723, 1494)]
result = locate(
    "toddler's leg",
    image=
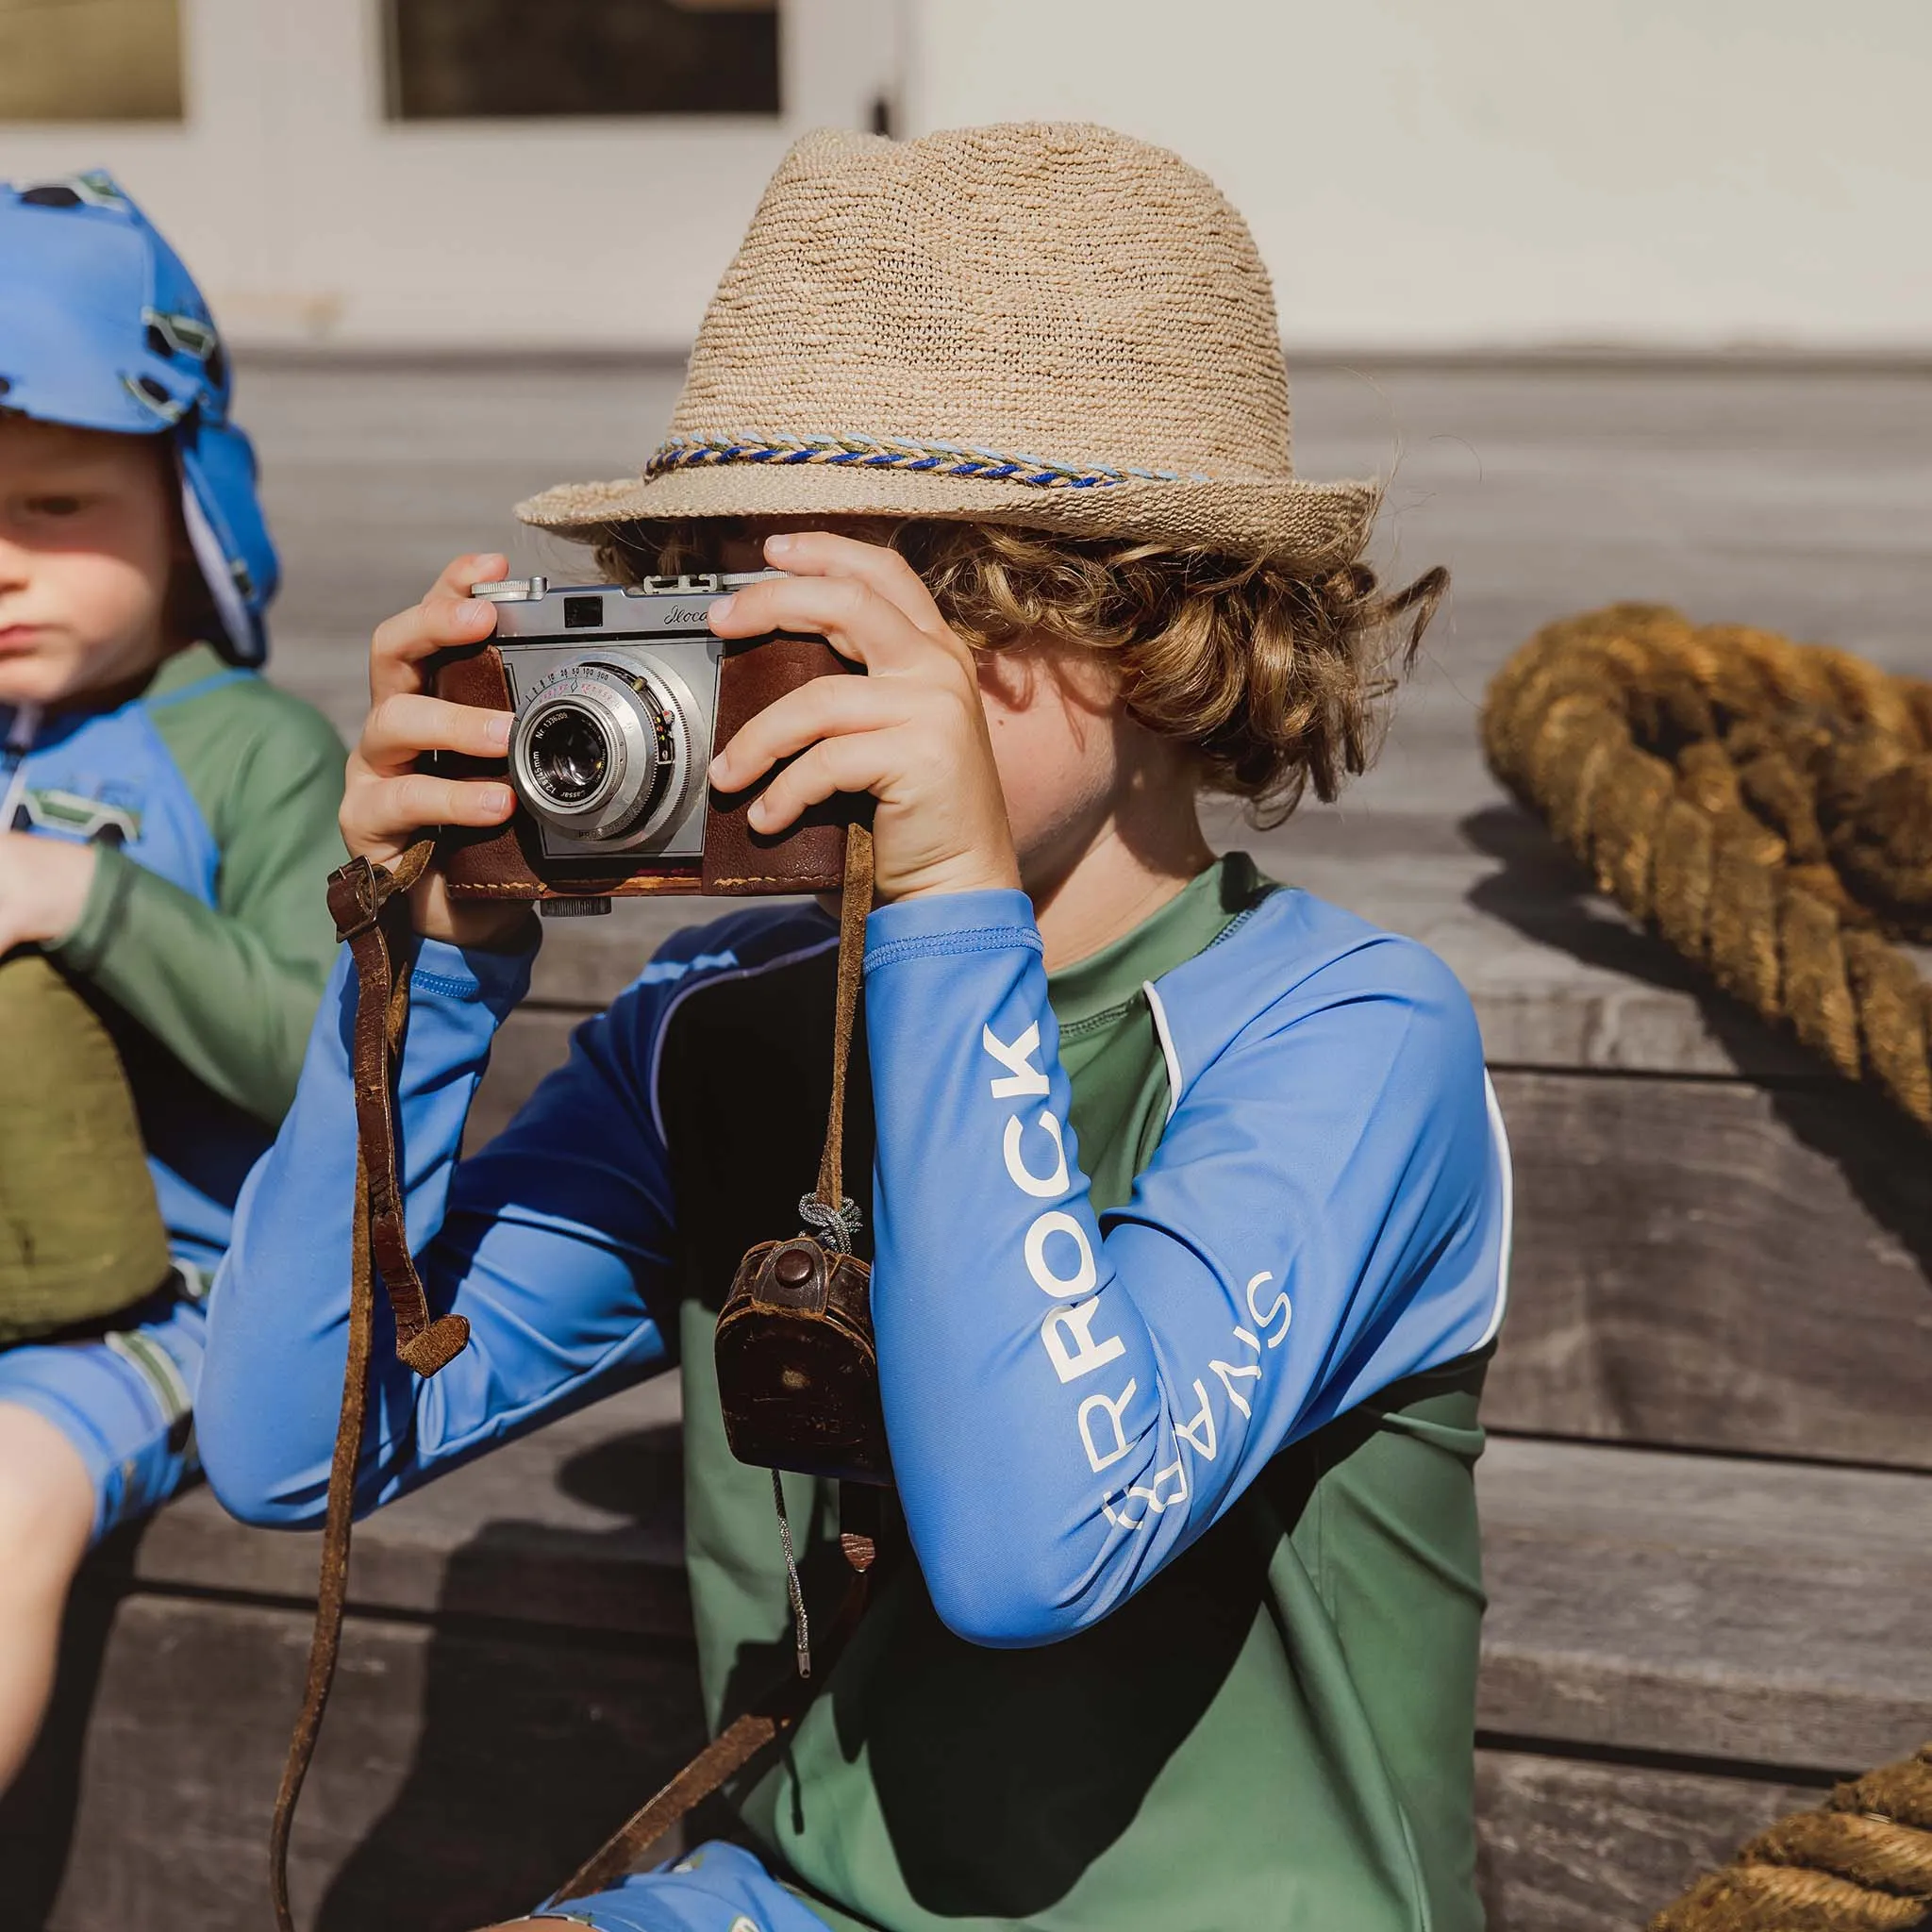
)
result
[(92, 1434), (46, 1520)]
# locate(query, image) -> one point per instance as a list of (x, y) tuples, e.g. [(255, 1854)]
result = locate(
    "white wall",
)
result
[(1449, 172), (309, 217), (1420, 173)]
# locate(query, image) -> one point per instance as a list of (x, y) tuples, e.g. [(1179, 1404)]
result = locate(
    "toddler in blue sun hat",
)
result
[(167, 819)]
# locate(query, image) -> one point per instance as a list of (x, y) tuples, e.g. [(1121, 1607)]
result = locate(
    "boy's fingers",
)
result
[(824, 552), (829, 705), (395, 809), (833, 765), (404, 725), (437, 624), (849, 614), (477, 567)]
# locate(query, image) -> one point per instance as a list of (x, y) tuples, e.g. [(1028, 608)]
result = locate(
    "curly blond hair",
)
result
[(1278, 678)]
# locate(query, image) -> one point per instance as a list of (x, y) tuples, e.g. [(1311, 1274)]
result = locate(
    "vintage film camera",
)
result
[(621, 695)]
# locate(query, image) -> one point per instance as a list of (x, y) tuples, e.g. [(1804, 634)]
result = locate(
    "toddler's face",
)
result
[(87, 546)]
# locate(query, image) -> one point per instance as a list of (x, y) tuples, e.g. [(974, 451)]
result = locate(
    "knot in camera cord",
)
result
[(834, 1228)]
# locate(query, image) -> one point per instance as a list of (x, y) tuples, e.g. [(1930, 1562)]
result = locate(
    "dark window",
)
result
[(90, 60), (461, 59)]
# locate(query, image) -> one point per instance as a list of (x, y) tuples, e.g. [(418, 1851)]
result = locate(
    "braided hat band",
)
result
[(897, 453), (965, 301)]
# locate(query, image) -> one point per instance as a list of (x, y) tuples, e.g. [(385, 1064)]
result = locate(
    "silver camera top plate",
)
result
[(529, 608)]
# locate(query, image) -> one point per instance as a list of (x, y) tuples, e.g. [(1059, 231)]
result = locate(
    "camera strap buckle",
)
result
[(356, 898), (358, 890)]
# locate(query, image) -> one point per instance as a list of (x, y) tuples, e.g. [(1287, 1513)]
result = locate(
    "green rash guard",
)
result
[(229, 989), (1277, 1731)]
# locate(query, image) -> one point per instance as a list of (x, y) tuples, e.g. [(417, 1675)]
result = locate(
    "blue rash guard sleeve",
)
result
[(551, 1240), (1072, 1400)]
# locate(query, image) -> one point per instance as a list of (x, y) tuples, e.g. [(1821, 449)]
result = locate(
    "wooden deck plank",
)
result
[(1706, 1262), (493, 1715), (1792, 497), (1578, 1847), (1715, 1606), (461, 1775), (579, 1525), (1714, 1264), (1559, 978)]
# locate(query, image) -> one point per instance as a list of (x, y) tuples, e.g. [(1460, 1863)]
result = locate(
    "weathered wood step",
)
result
[(1561, 978), (1571, 1846), (517, 1674), (579, 1526), (1705, 1607), (1680, 1649), (1677, 1648)]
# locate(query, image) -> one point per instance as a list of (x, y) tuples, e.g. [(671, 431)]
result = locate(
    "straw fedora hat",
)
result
[(1048, 324)]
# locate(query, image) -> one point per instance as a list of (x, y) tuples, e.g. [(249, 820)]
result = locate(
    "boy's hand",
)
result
[(913, 731), (43, 889), (387, 803)]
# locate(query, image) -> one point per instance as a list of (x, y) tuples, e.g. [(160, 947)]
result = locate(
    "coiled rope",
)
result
[(1767, 807), (1861, 1862)]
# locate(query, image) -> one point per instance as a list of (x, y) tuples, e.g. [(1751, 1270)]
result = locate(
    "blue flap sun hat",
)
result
[(101, 327)]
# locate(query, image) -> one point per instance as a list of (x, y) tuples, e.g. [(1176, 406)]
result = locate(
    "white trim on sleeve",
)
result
[(1499, 1136), (1164, 1033)]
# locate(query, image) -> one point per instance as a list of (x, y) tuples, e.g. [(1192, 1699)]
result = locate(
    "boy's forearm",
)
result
[(278, 1315), (548, 1241), (983, 1228), (210, 989), (1069, 1410)]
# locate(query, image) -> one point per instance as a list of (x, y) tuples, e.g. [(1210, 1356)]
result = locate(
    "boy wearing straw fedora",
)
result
[(1189, 1210)]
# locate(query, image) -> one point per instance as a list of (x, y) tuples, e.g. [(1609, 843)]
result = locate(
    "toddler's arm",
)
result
[(1073, 1402), (230, 989), (551, 1240)]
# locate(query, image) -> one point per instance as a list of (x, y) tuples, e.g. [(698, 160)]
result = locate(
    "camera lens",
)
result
[(569, 754), (598, 747)]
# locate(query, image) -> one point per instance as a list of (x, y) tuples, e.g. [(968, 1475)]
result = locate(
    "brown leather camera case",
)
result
[(798, 1368), (509, 862)]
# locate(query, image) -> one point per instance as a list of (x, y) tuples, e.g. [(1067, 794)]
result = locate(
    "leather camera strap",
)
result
[(855, 906), (745, 1739), (370, 905), (860, 1507)]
